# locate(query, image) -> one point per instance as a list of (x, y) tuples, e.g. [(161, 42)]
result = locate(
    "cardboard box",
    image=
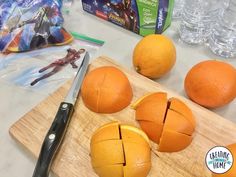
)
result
[(140, 16)]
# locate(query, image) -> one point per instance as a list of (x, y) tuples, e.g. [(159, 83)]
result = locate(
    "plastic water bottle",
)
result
[(178, 9), (222, 40), (197, 18), (66, 6)]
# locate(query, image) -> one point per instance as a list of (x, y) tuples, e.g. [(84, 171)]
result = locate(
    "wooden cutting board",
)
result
[(73, 159)]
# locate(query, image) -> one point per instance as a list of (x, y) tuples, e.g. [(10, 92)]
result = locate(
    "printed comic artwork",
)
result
[(125, 12)]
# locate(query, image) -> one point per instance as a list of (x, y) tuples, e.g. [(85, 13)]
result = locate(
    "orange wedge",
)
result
[(140, 170), (110, 170), (152, 108), (180, 107), (153, 130), (176, 122), (135, 153), (106, 132), (172, 141), (100, 151), (133, 134), (137, 102)]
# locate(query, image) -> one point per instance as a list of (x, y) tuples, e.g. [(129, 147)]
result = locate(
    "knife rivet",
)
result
[(52, 136), (64, 106)]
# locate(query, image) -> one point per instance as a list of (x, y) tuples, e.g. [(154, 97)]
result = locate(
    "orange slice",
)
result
[(180, 107), (177, 122), (137, 102), (110, 170), (136, 153), (152, 108), (100, 151), (108, 131), (172, 141), (140, 170), (133, 134), (153, 130)]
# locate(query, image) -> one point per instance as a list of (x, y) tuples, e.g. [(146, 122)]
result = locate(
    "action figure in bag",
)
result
[(71, 57)]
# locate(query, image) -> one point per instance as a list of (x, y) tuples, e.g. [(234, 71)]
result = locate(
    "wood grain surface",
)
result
[(73, 159)]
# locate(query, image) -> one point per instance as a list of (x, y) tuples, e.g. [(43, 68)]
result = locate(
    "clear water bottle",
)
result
[(66, 6), (222, 40), (197, 18), (178, 9)]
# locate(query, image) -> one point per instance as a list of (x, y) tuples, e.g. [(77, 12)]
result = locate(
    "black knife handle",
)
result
[(53, 139)]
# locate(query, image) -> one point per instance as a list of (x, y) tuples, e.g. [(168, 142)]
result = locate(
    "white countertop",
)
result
[(119, 44)]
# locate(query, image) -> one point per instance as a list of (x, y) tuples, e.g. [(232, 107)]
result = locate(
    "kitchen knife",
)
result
[(58, 128)]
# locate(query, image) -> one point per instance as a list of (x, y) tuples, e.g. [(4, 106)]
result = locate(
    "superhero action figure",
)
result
[(71, 57), (43, 22), (124, 10)]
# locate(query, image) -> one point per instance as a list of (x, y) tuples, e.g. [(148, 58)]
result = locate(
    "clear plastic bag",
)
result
[(44, 69), (31, 24)]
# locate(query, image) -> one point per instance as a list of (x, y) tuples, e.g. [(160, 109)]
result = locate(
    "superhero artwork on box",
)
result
[(140, 16)]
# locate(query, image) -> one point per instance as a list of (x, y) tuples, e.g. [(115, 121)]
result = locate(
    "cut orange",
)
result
[(136, 153), (136, 103), (140, 170), (106, 90), (128, 156), (152, 129), (178, 123), (133, 134), (152, 108), (180, 107), (106, 132), (100, 150), (161, 118), (172, 141), (110, 170)]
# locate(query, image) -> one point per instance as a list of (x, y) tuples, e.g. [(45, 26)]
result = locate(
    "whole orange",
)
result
[(154, 56), (211, 83)]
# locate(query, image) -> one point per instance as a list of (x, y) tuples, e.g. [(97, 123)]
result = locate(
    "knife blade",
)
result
[(60, 123)]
